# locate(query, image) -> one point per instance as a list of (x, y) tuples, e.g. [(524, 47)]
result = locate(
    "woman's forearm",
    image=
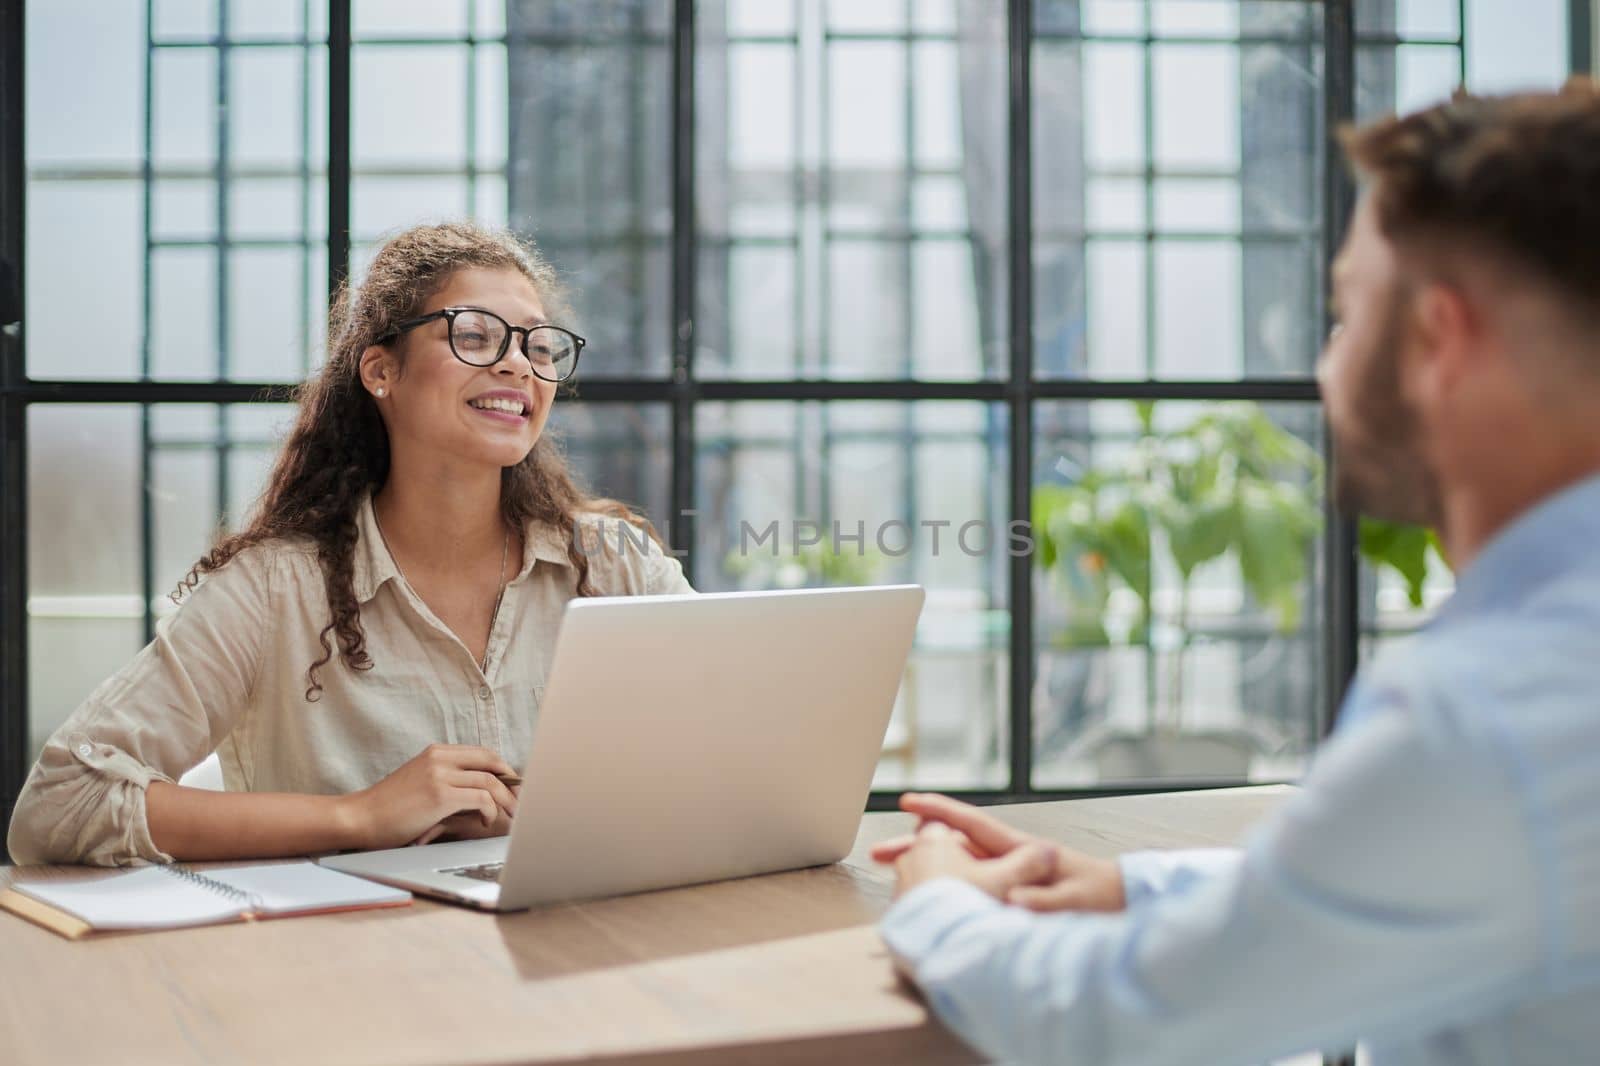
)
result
[(198, 824)]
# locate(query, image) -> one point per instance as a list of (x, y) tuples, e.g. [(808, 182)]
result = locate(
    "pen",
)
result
[(509, 780)]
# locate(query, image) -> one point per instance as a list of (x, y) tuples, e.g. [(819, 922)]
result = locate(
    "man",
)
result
[(1434, 888)]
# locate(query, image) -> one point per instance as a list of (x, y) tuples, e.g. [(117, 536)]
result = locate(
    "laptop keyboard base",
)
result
[(483, 871)]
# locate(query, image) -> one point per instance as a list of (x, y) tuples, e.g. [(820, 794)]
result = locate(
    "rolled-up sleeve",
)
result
[(628, 561), (158, 717), (665, 574)]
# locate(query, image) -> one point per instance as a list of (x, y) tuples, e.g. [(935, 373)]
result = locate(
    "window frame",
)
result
[(680, 390)]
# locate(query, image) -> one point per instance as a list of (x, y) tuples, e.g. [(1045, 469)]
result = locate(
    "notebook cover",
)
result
[(72, 927), (267, 916), (42, 914)]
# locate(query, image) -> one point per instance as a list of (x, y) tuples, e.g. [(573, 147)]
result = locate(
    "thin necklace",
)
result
[(494, 615)]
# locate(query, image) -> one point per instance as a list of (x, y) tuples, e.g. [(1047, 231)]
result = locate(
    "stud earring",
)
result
[(381, 391)]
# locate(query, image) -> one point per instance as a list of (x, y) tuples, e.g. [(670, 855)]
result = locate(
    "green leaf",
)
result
[(1127, 547), (1273, 541), (1199, 534), (1146, 411), (1402, 548), (1048, 501)]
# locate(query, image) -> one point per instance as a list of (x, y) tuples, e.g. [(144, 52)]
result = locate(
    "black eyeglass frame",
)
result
[(449, 314)]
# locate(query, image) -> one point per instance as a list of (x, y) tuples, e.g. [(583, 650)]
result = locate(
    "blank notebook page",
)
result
[(302, 886), (151, 898)]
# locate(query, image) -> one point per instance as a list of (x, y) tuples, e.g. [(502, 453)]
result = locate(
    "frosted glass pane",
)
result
[(84, 251), (1116, 309), (183, 319), (265, 309), (866, 105), (1197, 106), (1197, 310), (105, 98), (409, 105), (264, 101), (1114, 123)]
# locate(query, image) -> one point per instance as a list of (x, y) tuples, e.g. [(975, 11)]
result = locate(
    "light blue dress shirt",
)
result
[(1433, 890)]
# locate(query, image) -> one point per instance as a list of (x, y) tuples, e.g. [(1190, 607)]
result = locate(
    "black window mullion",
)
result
[(1580, 36), (13, 421), (684, 265), (147, 524), (1020, 387), (339, 47), (1341, 625), (640, 104), (889, 801)]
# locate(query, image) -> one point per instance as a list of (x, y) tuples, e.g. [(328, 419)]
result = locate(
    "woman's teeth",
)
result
[(510, 407)]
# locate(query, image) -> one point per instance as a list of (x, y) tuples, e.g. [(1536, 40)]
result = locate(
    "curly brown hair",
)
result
[(338, 450), (1513, 178)]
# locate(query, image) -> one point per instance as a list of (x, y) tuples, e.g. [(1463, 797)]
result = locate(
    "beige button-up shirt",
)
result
[(227, 673)]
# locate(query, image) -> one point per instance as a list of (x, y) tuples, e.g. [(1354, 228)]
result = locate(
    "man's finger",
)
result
[(1062, 896), (989, 834), (1027, 865), (932, 840), (891, 849), (887, 851)]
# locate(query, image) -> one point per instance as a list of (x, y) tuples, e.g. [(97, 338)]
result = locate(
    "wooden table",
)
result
[(779, 969)]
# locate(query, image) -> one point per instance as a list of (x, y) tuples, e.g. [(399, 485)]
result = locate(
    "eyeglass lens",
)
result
[(478, 338)]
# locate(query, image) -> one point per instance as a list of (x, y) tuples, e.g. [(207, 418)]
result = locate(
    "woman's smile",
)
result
[(507, 406)]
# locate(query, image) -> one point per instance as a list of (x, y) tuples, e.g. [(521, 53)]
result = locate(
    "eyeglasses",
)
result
[(482, 338)]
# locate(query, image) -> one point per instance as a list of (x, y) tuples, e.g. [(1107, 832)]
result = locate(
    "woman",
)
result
[(366, 656)]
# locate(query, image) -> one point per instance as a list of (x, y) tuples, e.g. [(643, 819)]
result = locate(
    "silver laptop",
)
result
[(685, 739)]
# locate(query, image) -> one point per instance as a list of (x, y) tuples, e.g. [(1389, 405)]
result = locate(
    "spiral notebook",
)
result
[(174, 897)]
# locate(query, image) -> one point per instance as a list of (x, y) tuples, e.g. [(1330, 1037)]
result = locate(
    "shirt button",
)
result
[(483, 693), (85, 750)]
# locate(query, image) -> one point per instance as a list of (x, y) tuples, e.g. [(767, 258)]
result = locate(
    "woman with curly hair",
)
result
[(369, 651)]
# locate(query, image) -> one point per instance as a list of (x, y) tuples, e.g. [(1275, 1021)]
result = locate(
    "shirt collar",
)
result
[(542, 543), (1546, 542), (374, 566)]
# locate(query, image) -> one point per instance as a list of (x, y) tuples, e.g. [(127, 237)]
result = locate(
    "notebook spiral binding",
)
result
[(195, 877)]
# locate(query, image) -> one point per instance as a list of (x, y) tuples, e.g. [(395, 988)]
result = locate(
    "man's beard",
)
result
[(1380, 467)]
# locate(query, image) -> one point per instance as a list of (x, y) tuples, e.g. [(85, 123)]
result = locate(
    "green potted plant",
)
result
[(1231, 484), (1228, 485)]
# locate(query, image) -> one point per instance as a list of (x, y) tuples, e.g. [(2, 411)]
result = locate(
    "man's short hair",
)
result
[(1515, 178)]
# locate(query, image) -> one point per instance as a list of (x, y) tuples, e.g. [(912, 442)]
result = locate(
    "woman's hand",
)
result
[(1072, 881), (468, 826), (444, 788)]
